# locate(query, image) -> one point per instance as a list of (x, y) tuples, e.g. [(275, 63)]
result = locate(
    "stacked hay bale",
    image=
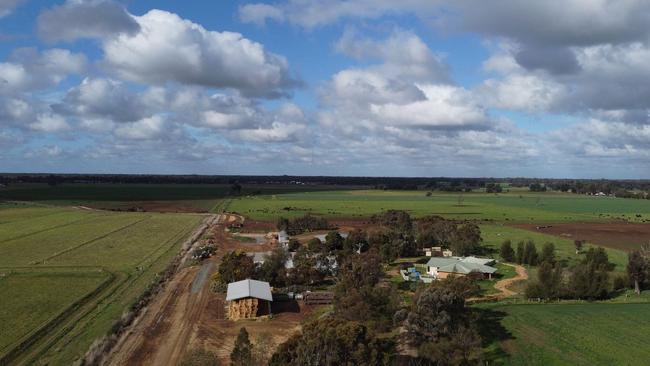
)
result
[(243, 309)]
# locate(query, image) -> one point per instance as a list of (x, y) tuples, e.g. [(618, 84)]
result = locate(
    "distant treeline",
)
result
[(583, 186)]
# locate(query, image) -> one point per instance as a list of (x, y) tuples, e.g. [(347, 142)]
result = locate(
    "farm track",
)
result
[(170, 316), (503, 285)]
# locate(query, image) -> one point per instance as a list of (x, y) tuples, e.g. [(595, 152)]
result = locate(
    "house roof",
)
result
[(460, 265), (249, 288), (483, 261), (259, 257)]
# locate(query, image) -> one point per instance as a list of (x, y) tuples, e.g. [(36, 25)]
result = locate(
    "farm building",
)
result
[(437, 252), (283, 239), (260, 257), (441, 267), (248, 299)]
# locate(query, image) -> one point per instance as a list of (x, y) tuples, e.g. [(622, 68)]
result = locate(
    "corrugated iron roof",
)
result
[(249, 288)]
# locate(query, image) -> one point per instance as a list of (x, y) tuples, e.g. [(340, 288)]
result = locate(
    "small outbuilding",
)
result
[(248, 299), (283, 238)]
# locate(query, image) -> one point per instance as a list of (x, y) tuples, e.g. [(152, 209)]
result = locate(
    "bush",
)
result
[(620, 282)]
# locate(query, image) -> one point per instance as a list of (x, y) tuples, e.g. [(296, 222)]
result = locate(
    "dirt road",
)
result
[(503, 285), (187, 315), (171, 314)]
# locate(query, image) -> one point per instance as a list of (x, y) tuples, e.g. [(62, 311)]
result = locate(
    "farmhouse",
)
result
[(248, 299), (441, 267)]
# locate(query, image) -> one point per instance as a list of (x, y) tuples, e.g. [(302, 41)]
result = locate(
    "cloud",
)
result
[(259, 13), (310, 14), (49, 122), (28, 70), (383, 115), (444, 106), (550, 23), (85, 19), (403, 54), (145, 129), (170, 49), (607, 78), (7, 7), (103, 98)]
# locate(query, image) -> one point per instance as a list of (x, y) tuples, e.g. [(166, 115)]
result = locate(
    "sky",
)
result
[(463, 88)]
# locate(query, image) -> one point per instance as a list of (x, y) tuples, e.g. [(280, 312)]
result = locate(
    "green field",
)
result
[(154, 197), (67, 275), (582, 334), (495, 234), (522, 207)]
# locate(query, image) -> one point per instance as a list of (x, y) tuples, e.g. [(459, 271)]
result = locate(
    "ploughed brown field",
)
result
[(616, 235)]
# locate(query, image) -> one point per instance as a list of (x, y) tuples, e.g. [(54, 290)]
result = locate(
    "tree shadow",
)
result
[(493, 334)]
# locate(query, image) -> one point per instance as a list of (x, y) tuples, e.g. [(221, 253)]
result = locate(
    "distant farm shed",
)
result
[(248, 299)]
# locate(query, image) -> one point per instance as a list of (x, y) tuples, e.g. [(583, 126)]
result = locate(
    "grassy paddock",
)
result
[(494, 235), (32, 299), (512, 207), (60, 257), (582, 334)]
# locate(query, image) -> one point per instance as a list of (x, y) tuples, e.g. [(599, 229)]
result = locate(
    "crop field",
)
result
[(147, 197), (513, 207), (67, 275), (580, 334)]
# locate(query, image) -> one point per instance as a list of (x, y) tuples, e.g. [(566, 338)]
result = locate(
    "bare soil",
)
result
[(617, 235), (180, 320), (503, 285)]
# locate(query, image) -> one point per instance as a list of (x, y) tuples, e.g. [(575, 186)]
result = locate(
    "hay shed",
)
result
[(248, 299)]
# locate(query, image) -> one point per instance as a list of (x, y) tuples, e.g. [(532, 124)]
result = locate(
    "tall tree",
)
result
[(241, 354), (359, 295), (235, 266), (520, 252), (440, 324), (331, 341), (548, 253), (637, 268), (357, 241), (548, 284), (506, 251), (466, 240), (333, 241), (530, 253)]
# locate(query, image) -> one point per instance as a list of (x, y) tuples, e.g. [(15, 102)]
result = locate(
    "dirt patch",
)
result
[(503, 285), (259, 226), (616, 235)]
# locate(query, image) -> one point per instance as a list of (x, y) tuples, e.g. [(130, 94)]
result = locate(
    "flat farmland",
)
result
[(618, 235), (577, 334), (525, 207), (81, 270), (148, 197), (495, 234)]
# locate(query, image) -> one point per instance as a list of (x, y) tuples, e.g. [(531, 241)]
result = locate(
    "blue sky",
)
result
[(356, 87)]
